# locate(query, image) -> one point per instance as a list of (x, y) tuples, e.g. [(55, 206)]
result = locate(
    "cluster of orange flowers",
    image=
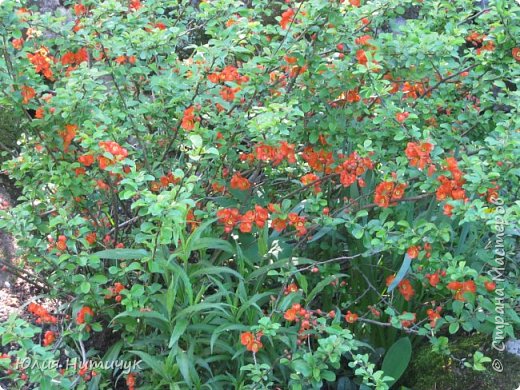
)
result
[(419, 154), (273, 154), (28, 93), (42, 61), (91, 238), (434, 315), (48, 338), (319, 160), (228, 74), (294, 220), (189, 119), (414, 90), (388, 192), (311, 179), (231, 217), (85, 373), (405, 287), (305, 318), (84, 315), (114, 292), (352, 168), (72, 60), (462, 288), (164, 182), (115, 150), (292, 68), (451, 188), (287, 18), (238, 182), (435, 278), (43, 316), (251, 341), (481, 42), (68, 135)]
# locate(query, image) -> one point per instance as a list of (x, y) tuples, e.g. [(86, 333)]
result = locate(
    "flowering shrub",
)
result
[(262, 196)]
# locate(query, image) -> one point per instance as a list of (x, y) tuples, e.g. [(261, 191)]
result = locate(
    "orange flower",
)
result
[(287, 18), (309, 179), (68, 135), (401, 116), (462, 288), (28, 93), (419, 154), (86, 159), (490, 286), (255, 346), (135, 5), (91, 238), (40, 113), (62, 243), (84, 315), (413, 252), (434, 315), (353, 96), (361, 57), (246, 338), (516, 53), (228, 94), (230, 22), (261, 216), (48, 338), (351, 317), (434, 279), (240, 183), (291, 288), (246, 221), (229, 217), (279, 224), (251, 342), (43, 315), (80, 9), (290, 314), (355, 3), (406, 289), (130, 381), (18, 43), (189, 119), (41, 61)]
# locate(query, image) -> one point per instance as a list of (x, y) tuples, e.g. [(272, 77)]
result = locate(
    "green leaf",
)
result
[(178, 331), (397, 358), (84, 287), (121, 254), (454, 327), (155, 364), (158, 319)]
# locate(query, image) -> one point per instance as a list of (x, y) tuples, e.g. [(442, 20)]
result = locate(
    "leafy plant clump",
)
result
[(264, 194)]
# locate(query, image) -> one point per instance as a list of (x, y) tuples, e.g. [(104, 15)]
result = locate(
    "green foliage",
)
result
[(397, 358)]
